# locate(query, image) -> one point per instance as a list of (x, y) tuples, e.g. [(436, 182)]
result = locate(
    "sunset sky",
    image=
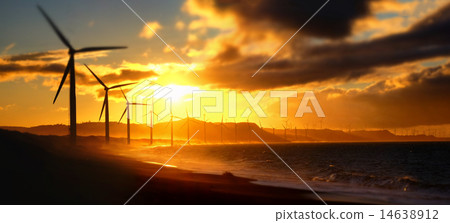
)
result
[(372, 64)]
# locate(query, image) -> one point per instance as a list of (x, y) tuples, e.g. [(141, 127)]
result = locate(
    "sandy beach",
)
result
[(47, 170)]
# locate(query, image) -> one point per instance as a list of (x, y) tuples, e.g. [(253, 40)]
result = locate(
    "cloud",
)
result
[(40, 56), (9, 47), (110, 79), (420, 98), (336, 60), (180, 25), (62, 109), (11, 70), (52, 64), (335, 20), (7, 107), (53, 56), (147, 33)]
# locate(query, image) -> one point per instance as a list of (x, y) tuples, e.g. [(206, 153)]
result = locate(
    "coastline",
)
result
[(47, 170)]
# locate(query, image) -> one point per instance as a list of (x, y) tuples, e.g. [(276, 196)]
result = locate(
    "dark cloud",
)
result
[(230, 53), (20, 66), (115, 93), (36, 56), (11, 69), (423, 101), (335, 20), (429, 38), (111, 79)]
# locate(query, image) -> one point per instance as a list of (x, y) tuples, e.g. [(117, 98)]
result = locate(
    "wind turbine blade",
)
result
[(66, 72), (55, 28), (125, 111), (124, 95), (103, 107), (98, 79), (122, 85), (90, 49)]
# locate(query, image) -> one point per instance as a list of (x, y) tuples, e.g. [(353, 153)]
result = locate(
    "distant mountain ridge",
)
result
[(242, 133)]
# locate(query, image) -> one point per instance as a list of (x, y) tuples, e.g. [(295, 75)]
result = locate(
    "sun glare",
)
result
[(179, 92)]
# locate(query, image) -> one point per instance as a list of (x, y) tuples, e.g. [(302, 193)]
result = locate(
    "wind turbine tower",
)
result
[(70, 68), (127, 110), (106, 102)]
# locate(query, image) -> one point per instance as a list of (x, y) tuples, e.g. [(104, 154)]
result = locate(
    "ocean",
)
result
[(385, 172)]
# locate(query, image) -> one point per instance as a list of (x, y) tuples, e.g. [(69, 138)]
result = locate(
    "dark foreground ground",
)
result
[(47, 170)]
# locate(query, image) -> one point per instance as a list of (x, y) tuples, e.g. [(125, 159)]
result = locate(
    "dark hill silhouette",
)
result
[(242, 134)]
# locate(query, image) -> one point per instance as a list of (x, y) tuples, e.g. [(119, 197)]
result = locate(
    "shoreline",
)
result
[(46, 170)]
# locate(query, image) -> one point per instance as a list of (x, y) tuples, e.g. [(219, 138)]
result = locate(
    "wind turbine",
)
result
[(127, 110), (70, 68), (106, 101), (295, 132), (152, 112), (151, 121), (204, 128), (171, 127), (306, 130), (221, 130), (285, 129), (187, 121), (248, 130), (235, 131)]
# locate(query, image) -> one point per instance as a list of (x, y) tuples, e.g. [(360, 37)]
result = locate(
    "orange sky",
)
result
[(376, 64)]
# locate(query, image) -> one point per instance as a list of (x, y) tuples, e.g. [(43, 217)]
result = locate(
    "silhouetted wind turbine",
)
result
[(106, 101), (187, 121), (171, 127), (151, 126), (295, 132), (248, 130), (151, 123), (285, 129), (306, 130), (152, 112), (71, 68), (235, 131), (127, 110), (204, 128), (221, 130)]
